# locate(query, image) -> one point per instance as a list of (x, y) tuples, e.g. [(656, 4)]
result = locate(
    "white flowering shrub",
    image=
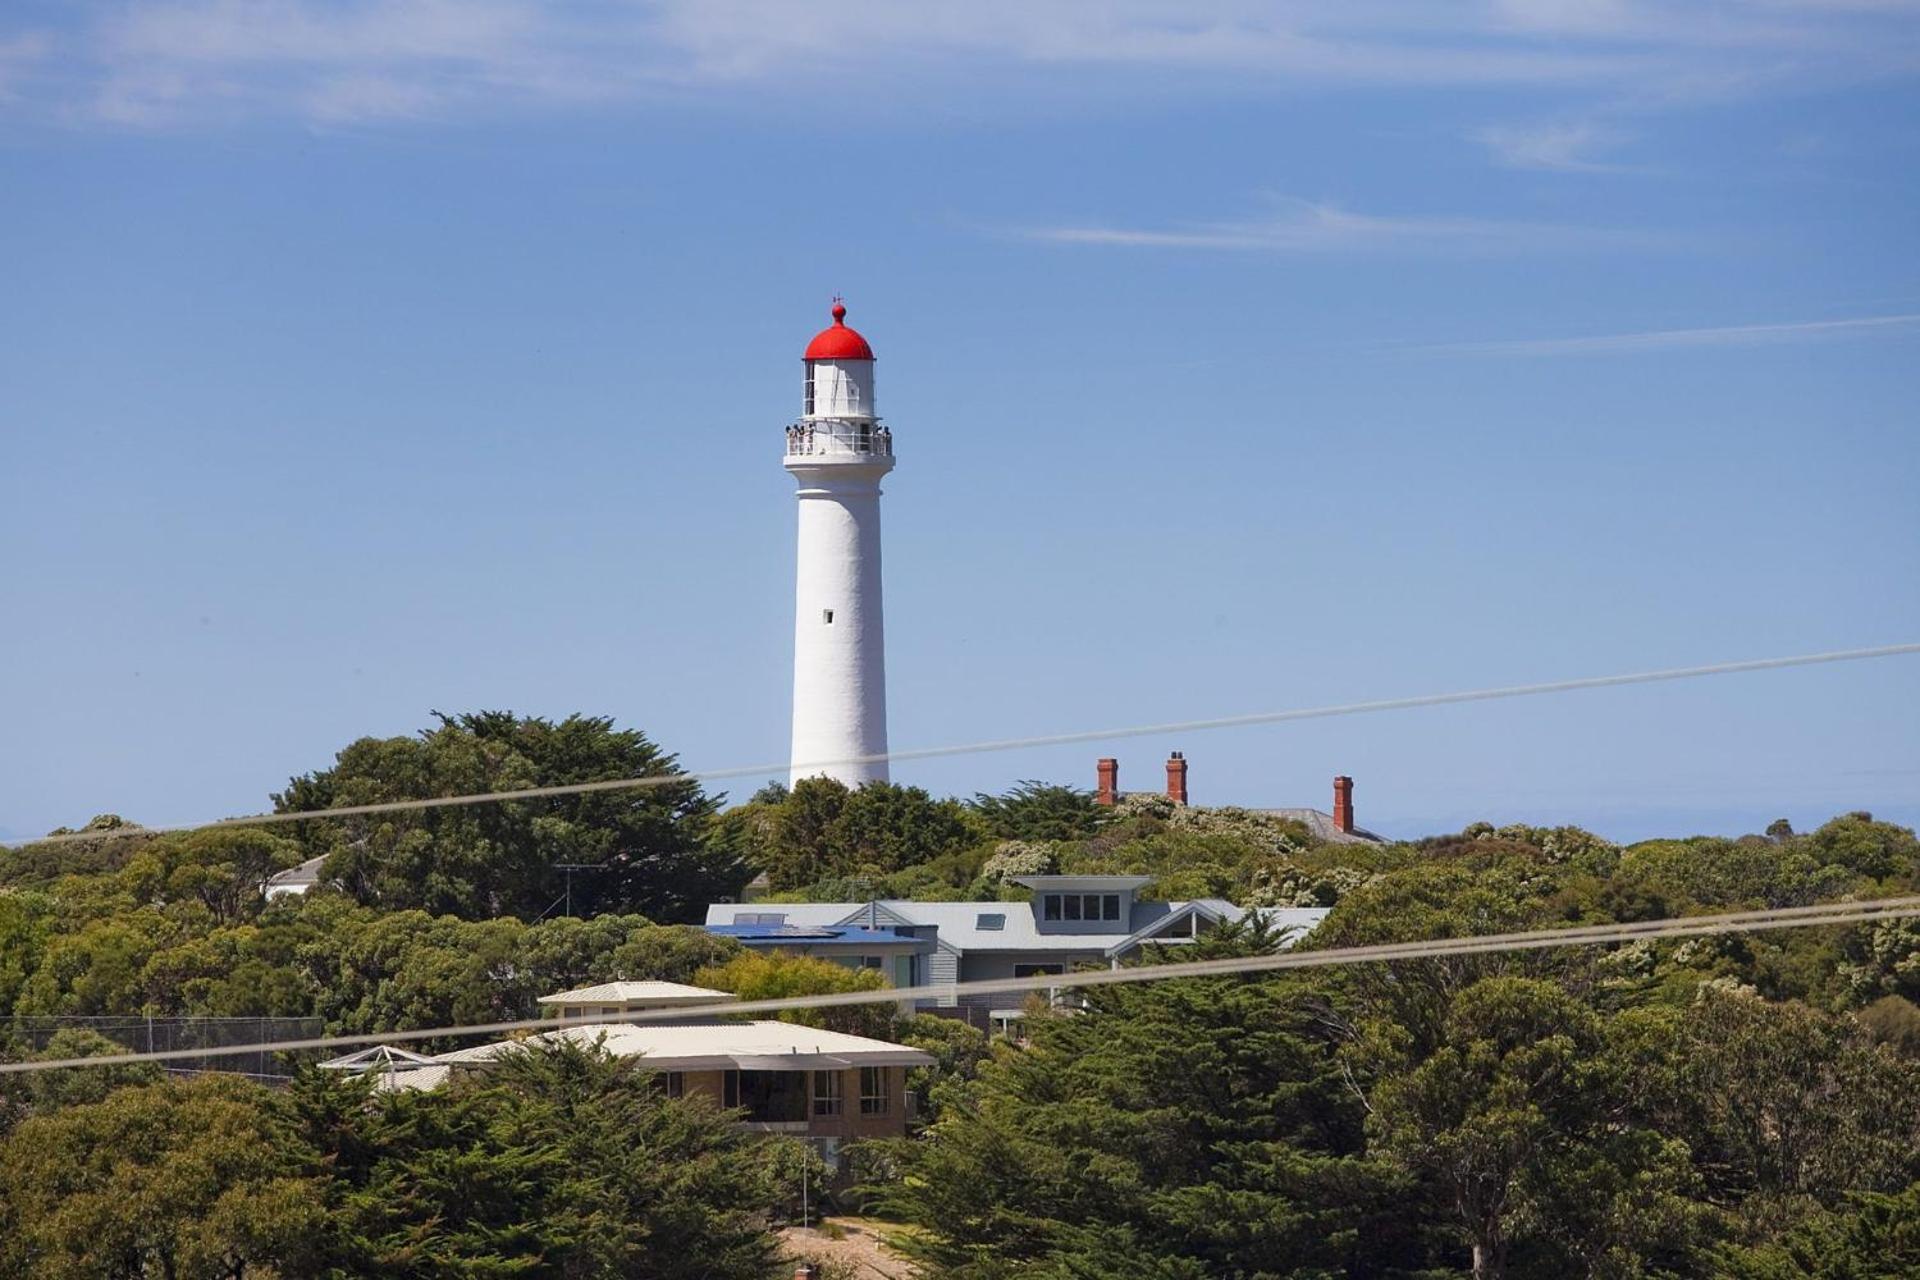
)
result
[(1021, 858)]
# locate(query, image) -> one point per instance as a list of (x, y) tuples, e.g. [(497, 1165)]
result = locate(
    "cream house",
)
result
[(784, 1077)]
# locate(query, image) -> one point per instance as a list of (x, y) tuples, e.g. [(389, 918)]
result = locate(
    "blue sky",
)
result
[(360, 359)]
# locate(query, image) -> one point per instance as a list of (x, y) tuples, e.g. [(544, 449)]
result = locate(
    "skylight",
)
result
[(759, 917), (991, 920)]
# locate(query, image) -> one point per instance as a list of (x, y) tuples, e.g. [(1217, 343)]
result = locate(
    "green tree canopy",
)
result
[(559, 1162), (192, 1181), (1034, 810), (1187, 1128), (822, 830), (645, 844), (757, 975)]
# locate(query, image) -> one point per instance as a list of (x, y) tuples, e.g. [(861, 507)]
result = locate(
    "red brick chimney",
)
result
[(1343, 803), (1177, 778), (1109, 791)]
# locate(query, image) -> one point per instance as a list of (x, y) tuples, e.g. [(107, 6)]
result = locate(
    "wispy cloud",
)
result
[(19, 55), (1561, 146), (189, 61), (1305, 227), (1741, 335)]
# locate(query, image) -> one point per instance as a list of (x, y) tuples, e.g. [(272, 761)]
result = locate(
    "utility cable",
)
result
[(953, 992), (1007, 744)]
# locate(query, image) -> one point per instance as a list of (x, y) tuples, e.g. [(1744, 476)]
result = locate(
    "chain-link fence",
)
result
[(33, 1034)]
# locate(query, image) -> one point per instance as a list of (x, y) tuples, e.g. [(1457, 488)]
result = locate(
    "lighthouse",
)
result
[(837, 451)]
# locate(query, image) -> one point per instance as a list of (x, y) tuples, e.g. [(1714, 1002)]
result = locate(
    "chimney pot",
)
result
[(1343, 803), (1177, 778), (1109, 791)]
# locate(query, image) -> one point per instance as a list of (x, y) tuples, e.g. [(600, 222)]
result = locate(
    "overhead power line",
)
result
[(1533, 940), (1010, 744)]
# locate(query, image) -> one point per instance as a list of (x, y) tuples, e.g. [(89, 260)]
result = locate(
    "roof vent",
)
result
[(991, 920)]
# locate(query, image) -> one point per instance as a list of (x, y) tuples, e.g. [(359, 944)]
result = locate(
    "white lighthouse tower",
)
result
[(837, 451)]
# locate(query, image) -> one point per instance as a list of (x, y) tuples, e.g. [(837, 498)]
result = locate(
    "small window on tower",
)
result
[(826, 616), (809, 396)]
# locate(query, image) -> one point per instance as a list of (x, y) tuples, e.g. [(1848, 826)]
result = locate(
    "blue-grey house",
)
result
[(1065, 922)]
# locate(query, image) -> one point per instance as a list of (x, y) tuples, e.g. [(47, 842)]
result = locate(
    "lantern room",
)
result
[(839, 366)]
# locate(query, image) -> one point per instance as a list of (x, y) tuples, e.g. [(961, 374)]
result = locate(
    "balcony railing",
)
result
[(839, 437)]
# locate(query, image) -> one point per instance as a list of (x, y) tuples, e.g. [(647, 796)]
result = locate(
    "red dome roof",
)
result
[(838, 342)]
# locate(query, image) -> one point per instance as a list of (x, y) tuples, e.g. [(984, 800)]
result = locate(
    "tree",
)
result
[(25, 924), (42, 1091), (1878, 849), (477, 861), (1041, 811), (821, 829), (224, 870), (669, 953), (958, 1050), (801, 844), (885, 827), (1507, 1120), (758, 975), (1185, 1128), (1773, 1099), (185, 1180), (559, 1162), (1873, 1237)]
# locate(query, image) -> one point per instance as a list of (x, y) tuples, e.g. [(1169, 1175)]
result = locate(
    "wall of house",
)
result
[(707, 1084), (983, 966), (850, 1123), (977, 966)]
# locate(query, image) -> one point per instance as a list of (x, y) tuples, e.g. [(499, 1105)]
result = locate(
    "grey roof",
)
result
[(419, 1078), (1321, 825), (296, 879)]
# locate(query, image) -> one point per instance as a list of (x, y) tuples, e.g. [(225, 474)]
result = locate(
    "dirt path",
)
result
[(860, 1246)]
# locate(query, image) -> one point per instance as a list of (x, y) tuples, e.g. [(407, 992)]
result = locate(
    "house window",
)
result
[(1110, 907), (611, 1010), (826, 1093), (1072, 904), (768, 1097), (1035, 970), (826, 616), (874, 1098), (990, 920), (1051, 906), (671, 1083), (872, 962)]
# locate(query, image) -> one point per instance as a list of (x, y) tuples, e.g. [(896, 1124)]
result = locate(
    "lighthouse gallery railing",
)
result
[(831, 437)]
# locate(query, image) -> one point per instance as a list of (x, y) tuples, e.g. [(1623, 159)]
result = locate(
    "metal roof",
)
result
[(381, 1057), (818, 935), (639, 994), (720, 1046)]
